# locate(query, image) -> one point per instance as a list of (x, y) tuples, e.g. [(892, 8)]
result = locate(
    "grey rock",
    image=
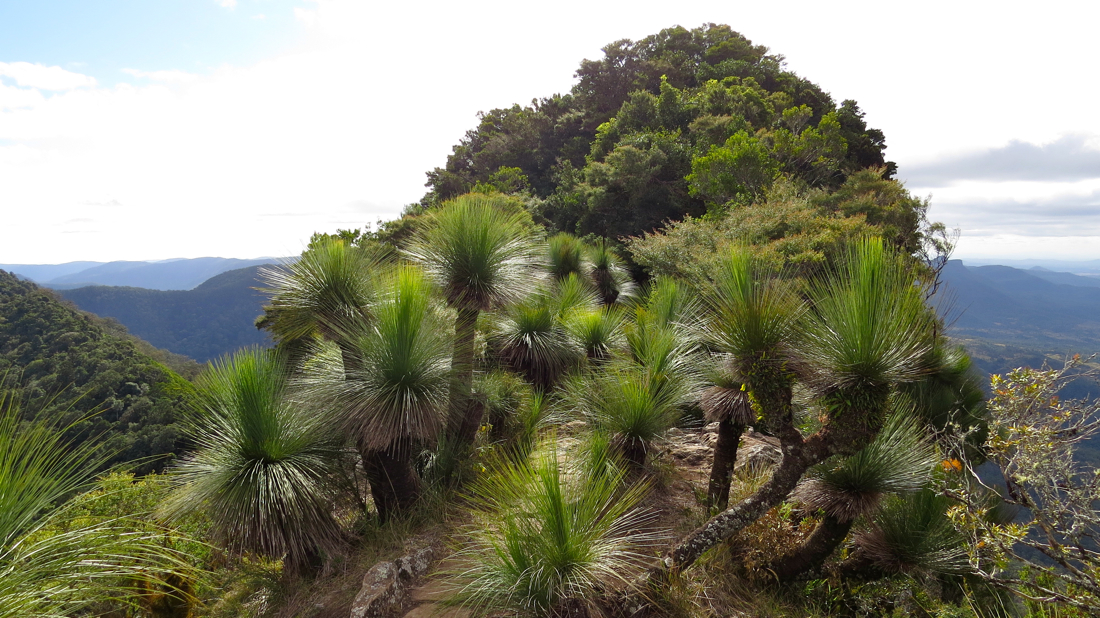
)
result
[(381, 594), (758, 453), (384, 593), (414, 565)]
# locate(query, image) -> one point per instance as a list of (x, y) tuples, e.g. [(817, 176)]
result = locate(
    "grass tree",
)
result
[(483, 254), (323, 292), (900, 460), (627, 404), (62, 571), (261, 465), (605, 270), (598, 332), (533, 337), (867, 330), (727, 403), (567, 256), (393, 398), (550, 537), (750, 322), (912, 535)]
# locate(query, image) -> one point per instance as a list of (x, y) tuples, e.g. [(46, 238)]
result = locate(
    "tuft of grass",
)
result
[(549, 535), (53, 562)]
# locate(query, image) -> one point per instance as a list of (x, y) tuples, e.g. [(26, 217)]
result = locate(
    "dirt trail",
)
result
[(425, 599)]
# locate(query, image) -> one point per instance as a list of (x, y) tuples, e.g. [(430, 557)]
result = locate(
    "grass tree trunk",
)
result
[(634, 454), (394, 484), (725, 456), (824, 540), (463, 416)]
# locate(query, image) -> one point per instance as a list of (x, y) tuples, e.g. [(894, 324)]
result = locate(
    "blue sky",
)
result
[(100, 37), (160, 129)]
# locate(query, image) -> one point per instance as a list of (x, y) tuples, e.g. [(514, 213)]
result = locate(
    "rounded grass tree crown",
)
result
[(396, 389), (261, 464), (869, 327), (482, 250)]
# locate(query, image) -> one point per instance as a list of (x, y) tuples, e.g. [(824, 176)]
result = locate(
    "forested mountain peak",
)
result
[(676, 124)]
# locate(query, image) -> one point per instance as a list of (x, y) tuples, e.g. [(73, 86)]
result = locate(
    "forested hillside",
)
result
[(213, 319), (660, 346), (1009, 317), (73, 370), (680, 123)]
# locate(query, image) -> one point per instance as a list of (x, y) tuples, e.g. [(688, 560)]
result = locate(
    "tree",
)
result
[(1033, 438), (750, 323), (740, 170), (262, 465), (900, 460), (866, 331), (483, 254), (392, 397)]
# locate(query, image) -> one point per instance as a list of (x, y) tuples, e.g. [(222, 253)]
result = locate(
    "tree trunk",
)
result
[(394, 484), (725, 456), (461, 416), (634, 454), (798, 456), (824, 540)]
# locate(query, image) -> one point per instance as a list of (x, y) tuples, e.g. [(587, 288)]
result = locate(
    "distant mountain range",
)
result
[(213, 319), (1009, 317), (181, 274), (1090, 268)]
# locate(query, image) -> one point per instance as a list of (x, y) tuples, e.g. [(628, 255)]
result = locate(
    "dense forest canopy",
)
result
[(677, 124), (71, 369), (209, 321)]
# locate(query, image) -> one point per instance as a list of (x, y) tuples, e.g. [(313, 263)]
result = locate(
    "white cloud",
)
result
[(44, 77), (198, 164), (228, 4), (307, 17), (168, 77)]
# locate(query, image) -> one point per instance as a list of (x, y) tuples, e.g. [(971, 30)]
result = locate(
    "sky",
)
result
[(147, 130)]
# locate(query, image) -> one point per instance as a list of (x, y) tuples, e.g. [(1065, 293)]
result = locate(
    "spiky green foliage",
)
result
[(657, 339), (573, 293), (328, 288), (567, 255), (752, 314), (627, 403), (951, 392), (597, 331), (667, 301), (534, 342), (912, 534), (899, 460), (549, 535), (57, 573), (480, 250), (396, 387), (869, 327), (605, 270), (483, 253), (261, 464)]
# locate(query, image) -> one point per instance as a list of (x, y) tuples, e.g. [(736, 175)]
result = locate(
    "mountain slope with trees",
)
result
[(214, 319), (487, 364), (71, 369), (679, 123)]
